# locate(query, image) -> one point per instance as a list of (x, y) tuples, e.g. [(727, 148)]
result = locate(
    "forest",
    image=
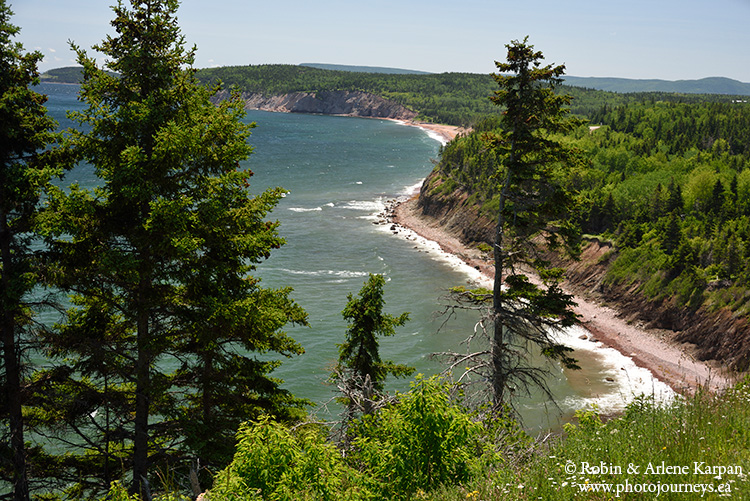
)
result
[(157, 381), (668, 182), (447, 98)]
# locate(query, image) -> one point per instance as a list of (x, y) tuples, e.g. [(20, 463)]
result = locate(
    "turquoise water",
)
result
[(339, 172)]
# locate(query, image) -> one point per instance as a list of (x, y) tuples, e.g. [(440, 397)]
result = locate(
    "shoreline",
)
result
[(444, 133), (650, 349)]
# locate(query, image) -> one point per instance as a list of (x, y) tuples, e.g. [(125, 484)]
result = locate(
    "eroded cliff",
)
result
[(350, 103), (455, 210), (717, 335)]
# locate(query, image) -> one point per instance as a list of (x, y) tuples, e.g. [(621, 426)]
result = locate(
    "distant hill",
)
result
[(70, 74), (67, 75), (712, 85), (364, 69)]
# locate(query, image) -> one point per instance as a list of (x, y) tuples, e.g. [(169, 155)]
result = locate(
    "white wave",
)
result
[(303, 209), (628, 381), (412, 190), (430, 133), (364, 205), (325, 273), (434, 135), (433, 248)]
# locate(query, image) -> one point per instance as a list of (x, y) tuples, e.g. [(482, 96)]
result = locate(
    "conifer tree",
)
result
[(25, 132), (671, 238), (535, 215), (674, 197), (157, 351), (715, 207), (360, 366)]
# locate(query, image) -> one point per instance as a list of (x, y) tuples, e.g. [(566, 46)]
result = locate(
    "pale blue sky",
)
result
[(665, 39)]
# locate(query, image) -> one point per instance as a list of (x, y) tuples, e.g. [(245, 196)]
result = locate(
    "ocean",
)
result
[(339, 173)]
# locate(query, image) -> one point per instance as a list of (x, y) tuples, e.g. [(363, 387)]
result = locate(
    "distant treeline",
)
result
[(450, 98), (67, 75), (711, 85), (70, 74)]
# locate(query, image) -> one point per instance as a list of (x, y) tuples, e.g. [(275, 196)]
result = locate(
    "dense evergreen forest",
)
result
[(667, 181), (670, 183), (449, 98)]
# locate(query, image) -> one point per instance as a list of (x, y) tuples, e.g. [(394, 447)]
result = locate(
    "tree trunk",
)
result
[(207, 397), (143, 342), (142, 396), (11, 360), (497, 347)]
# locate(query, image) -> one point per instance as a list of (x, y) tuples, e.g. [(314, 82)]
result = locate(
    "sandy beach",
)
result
[(445, 132), (669, 362)]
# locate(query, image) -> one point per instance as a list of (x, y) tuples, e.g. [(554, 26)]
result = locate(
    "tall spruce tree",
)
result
[(157, 352), (535, 214), (25, 168)]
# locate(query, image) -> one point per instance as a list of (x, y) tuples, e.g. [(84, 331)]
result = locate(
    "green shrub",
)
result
[(420, 443), (449, 186), (275, 463), (484, 247), (118, 492)]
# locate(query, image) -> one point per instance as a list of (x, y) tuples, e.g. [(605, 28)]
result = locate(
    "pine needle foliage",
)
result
[(26, 167), (160, 346), (535, 213), (360, 371)]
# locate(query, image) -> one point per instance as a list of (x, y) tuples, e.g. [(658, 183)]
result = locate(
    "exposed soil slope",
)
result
[(682, 347)]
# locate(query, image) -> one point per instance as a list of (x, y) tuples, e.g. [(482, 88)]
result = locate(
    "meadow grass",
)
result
[(696, 447)]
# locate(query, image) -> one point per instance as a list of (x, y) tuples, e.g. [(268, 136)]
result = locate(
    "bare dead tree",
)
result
[(526, 334)]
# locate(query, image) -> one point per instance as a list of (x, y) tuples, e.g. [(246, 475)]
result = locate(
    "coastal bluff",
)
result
[(337, 102), (683, 346)]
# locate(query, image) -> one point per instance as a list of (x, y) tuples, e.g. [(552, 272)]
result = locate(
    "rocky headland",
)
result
[(340, 102)]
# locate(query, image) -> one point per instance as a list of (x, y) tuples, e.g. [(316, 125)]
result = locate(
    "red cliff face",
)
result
[(350, 103), (708, 335), (455, 212)]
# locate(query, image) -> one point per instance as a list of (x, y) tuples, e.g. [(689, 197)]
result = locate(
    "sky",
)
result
[(643, 39)]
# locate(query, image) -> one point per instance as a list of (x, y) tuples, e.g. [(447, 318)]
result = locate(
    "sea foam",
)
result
[(629, 381), (304, 209), (625, 379)]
